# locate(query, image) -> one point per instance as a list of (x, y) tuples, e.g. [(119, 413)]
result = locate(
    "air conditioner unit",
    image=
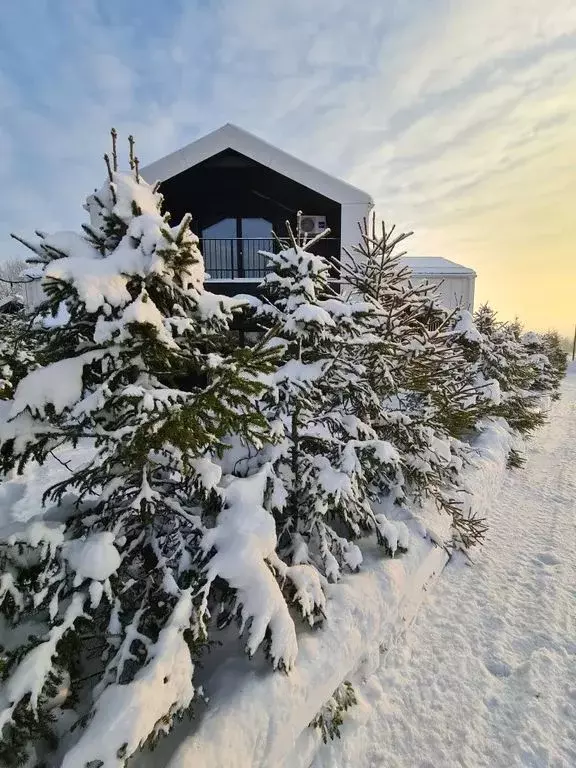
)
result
[(312, 225)]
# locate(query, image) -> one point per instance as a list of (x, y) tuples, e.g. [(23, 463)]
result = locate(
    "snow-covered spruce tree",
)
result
[(328, 462), (432, 396), (114, 584), (501, 356), (20, 350), (548, 375), (330, 718), (557, 357)]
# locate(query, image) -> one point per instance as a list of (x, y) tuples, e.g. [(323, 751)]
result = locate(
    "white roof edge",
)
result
[(415, 273), (230, 136), (436, 266), (462, 272)]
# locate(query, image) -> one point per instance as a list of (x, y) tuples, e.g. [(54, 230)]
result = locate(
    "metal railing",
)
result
[(236, 258)]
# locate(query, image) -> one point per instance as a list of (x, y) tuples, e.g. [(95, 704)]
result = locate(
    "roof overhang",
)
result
[(231, 137), (434, 266)]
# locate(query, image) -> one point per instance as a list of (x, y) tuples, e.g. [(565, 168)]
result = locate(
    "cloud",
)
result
[(457, 116)]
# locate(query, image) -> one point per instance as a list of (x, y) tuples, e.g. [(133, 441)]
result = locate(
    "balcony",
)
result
[(240, 258)]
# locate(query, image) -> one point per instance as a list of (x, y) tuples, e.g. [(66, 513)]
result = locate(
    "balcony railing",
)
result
[(240, 258)]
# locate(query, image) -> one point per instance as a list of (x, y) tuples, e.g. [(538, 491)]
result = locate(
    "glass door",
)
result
[(256, 236), (231, 248), (220, 249)]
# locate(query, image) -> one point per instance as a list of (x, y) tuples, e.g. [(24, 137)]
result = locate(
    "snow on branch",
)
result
[(31, 675), (59, 384), (127, 716), (244, 537)]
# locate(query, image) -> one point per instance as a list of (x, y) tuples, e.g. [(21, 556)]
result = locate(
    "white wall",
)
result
[(454, 290), (352, 213)]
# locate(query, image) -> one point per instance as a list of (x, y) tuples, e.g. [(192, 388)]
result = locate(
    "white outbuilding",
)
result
[(454, 282)]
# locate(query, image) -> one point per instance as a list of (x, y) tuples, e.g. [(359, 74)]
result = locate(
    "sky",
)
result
[(457, 116)]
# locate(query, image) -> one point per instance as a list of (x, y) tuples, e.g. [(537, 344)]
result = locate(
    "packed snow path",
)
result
[(487, 675)]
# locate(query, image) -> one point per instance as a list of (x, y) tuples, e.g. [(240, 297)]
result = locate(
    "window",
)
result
[(231, 247)]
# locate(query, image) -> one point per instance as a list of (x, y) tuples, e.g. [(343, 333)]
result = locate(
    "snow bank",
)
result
[(486, 475), (257, 718)]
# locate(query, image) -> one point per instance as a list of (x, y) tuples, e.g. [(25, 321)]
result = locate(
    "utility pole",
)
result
[(574, 344)]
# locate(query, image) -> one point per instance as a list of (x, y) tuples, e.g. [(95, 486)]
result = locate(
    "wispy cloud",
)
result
[(457, 116)]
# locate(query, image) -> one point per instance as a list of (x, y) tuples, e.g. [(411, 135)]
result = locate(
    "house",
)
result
[(239, 188)]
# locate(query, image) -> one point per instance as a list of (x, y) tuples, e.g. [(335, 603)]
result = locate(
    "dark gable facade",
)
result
[(236, 202), (239, 189)]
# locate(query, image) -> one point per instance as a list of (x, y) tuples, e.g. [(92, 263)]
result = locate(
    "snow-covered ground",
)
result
[(487, 674)]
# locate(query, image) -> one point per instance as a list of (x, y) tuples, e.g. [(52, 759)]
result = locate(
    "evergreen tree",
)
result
[(558, 358), (501, 356), (415, 364), (20, 350), (329, 463), (547, 360), (118, 582)]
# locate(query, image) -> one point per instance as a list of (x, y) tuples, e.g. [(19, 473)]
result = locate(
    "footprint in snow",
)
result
[(498, 668), (547, 558), (492, 703)]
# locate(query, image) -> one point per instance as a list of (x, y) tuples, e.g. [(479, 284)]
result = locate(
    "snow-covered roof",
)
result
[(231, 137), (434, 266)]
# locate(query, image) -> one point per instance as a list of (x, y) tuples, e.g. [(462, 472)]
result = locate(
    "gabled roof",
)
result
[(231, 137), (434, 266)]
